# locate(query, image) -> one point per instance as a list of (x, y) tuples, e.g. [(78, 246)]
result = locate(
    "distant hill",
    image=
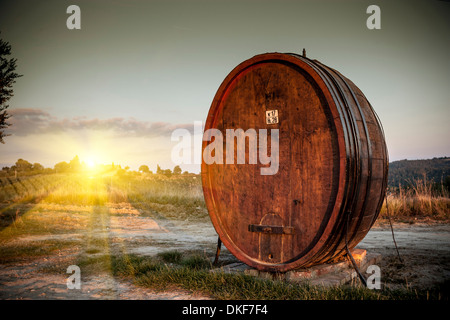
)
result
[(405, 171)]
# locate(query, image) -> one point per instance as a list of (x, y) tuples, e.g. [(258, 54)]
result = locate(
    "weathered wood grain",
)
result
[(332, 164)]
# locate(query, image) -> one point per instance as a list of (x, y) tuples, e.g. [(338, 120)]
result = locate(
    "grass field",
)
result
[(58, 206), (419, 200), (183, 192)]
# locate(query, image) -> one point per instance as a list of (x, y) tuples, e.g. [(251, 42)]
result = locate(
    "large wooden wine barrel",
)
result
[(332, 163)]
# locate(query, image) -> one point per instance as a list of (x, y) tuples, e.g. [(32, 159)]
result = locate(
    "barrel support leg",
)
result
[(219, 246), (349, 254)]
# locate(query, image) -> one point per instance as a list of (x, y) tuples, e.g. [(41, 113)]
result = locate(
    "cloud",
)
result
[(29, 121)]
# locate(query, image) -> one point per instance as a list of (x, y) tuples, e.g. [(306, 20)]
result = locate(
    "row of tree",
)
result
[(75, 165), (436, 171), (167, 172), (23, 165)]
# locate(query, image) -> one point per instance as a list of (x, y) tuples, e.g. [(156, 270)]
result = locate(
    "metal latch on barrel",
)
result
[(270, 229)]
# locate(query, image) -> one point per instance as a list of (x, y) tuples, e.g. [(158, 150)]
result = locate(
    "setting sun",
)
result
[(90, 163)]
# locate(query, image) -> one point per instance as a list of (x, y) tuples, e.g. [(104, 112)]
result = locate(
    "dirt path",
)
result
[(425, 249), (35, 277), (26, 281)]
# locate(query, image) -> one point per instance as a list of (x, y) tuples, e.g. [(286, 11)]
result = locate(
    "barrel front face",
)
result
[(279, 185)]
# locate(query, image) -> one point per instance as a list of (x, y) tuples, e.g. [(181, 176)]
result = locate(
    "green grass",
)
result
[(13, 251), (196, 262), (196, 277), (29, 188), (171, 256)]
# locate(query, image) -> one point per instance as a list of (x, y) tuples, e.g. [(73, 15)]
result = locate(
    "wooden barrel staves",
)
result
[(296, 164)]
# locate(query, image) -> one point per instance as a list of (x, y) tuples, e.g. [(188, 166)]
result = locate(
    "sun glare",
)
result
[(91, 163)]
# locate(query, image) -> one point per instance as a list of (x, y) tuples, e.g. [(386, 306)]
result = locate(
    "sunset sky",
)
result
[(115, 90)]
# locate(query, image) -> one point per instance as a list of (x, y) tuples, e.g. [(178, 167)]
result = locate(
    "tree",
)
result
[(167, 173), (144, 168), (7, 79), (62, 167), (75, 164), (177, 170), (159, 170), (23, 165), (38, 166)]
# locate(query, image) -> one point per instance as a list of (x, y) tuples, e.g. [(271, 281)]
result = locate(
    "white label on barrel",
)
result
[(271, 116)]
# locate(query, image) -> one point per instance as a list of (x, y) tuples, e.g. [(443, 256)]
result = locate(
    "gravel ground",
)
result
[(423, 246)]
